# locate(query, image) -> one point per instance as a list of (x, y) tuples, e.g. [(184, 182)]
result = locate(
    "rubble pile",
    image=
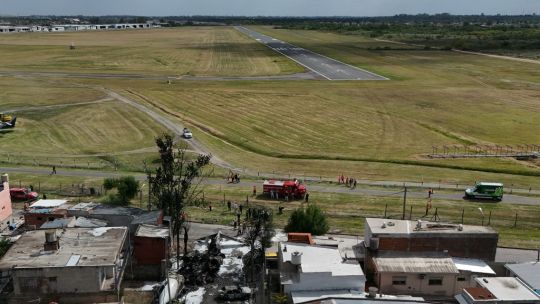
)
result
[(201, 268)]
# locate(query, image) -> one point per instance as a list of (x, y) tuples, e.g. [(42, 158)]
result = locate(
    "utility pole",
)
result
[(404, 203)]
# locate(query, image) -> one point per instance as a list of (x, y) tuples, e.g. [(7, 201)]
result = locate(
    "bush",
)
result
[(126, 186), (310, 220)]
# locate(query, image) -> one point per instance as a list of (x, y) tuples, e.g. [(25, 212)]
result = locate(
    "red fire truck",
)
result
[(281, 189)]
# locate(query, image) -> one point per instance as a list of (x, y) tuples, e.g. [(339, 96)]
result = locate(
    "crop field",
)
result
[(187, 51)]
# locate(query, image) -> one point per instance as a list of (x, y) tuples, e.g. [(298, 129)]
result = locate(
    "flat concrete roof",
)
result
[(507, 289), (320, 259), (97, 246), (348, 296), (403, 227)]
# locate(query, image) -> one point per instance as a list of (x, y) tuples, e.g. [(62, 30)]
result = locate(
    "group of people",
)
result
[(348, 181), (233, 178)]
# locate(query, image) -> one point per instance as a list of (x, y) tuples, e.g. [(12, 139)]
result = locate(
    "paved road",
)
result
[(321, 188), (326, 67)]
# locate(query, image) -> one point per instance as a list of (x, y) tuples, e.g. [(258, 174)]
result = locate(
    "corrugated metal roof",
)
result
[(414, 263)]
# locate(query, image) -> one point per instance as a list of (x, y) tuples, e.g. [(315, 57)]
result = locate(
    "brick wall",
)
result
[(482, 247)]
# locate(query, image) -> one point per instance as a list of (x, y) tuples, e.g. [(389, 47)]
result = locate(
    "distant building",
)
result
[(306, 267), (497, 290), (73, 265), (465, 241), (5, 202), (528, 273)]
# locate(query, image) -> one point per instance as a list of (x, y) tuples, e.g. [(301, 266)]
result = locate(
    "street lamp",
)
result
[(480, 209)]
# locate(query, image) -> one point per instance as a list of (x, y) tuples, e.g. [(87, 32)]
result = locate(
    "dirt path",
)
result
[(177, 129), (525, 60)]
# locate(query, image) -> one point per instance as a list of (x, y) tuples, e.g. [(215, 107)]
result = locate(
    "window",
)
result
[(435, 281), (401, 280), (461, 279)]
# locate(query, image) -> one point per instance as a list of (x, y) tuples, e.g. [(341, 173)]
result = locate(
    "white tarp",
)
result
[(48, 203)]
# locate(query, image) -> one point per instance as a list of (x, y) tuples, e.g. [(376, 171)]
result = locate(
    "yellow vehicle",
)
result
[(7, 121), (5, 117)]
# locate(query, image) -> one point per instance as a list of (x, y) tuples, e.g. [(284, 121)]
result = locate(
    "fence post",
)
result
[(410, 214), (39, 186), (462, 214), (489, 218), (515, 221), (385, 208)]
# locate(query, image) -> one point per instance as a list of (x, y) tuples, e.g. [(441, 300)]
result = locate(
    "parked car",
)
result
[(485, 190), (23, 194), (234, 293), (187, 133)]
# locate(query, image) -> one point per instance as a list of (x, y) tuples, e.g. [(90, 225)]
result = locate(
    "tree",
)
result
[(126, 186), (175, 183), (311, 220), (4, 246), (259, 233)]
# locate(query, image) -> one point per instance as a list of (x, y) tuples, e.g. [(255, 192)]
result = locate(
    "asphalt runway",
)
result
[(325, 67)]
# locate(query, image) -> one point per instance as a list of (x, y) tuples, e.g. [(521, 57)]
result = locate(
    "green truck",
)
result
[(486, 190)]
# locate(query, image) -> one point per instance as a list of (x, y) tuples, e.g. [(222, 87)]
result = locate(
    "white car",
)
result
[(187, 133)]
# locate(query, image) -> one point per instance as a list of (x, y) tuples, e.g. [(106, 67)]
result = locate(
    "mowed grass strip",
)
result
[(95, 128), (202, 51), (34, 92), (386, 122)]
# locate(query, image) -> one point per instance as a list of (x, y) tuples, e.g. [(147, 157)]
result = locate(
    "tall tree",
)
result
[(175, 183)]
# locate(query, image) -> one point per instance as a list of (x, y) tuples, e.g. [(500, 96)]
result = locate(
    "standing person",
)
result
[(210, 207), (354, 184), (307, 197), (254, 190), (53, 169), (229, 205), (347, 181), (240, 208), (430, 192), (272, 194)]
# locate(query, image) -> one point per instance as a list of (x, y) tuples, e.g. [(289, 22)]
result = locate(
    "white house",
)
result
[(306, 267)]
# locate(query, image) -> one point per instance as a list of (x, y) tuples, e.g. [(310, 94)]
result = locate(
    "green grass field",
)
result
[(369, 130), (187, 51)]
